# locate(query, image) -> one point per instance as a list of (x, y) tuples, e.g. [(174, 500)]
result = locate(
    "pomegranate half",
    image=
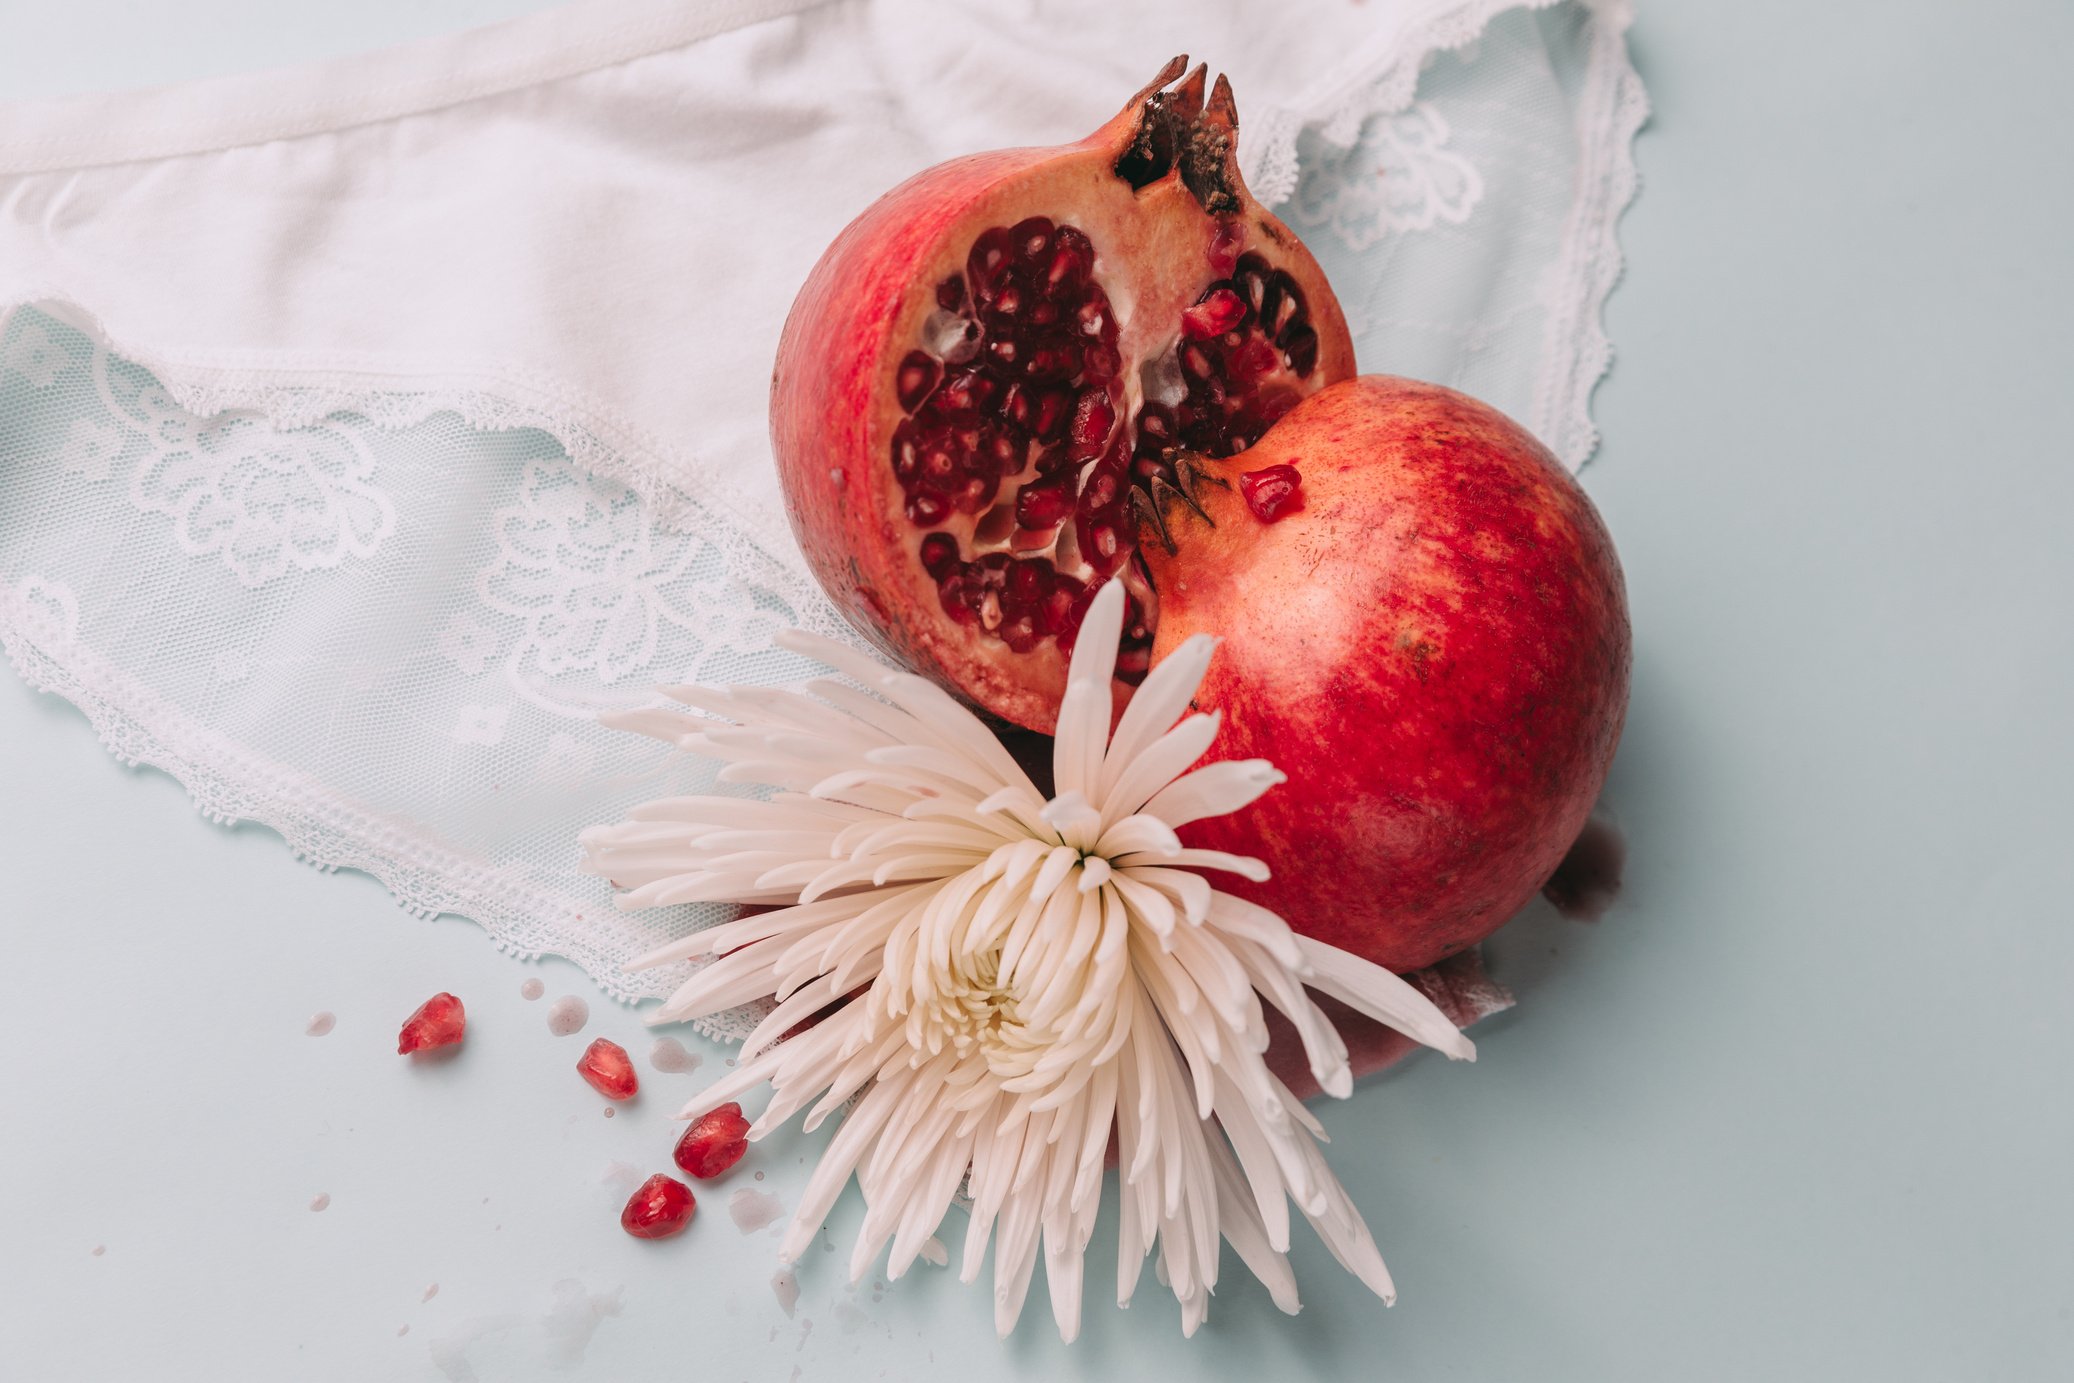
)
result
[(1423, 624), (996, 377)]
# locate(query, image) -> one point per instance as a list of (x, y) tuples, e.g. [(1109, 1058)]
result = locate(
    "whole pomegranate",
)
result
[(993, 378), (1424, 626)]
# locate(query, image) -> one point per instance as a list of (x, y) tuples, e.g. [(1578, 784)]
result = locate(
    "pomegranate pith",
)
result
[(715, 1141), (660, 1206), (439, 1022), (1003, 368), (610, 1072), (1434, 648)]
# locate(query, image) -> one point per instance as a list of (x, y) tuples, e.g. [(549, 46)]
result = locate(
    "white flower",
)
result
[(1035, 975), (481, 724)]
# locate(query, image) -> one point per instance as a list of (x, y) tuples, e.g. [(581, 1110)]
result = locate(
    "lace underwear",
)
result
[(365, 428)]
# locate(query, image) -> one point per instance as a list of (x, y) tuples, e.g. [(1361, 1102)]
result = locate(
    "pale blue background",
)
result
[(1799, 1108)]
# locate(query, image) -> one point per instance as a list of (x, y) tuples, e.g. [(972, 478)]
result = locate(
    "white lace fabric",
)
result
[(354, 533)]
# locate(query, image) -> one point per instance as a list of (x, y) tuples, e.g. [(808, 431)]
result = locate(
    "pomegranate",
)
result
[(715, 1141), (439, 1022), (660, 1206), (606, 1066), (1003, 371), (1424, 626)]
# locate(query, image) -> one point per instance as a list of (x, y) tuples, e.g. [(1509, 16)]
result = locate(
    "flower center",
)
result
[(971, 1010)]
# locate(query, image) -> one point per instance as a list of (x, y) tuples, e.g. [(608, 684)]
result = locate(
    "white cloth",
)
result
[(364, 428)]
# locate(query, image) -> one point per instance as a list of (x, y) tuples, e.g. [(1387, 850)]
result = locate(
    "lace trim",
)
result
[(1610, 111), (229, 784), (1381, 81)]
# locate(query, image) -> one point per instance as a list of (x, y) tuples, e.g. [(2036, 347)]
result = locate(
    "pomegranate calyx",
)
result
[(1177, 131)]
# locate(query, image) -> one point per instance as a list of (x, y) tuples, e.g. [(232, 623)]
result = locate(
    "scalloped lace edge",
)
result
[(1612, 106)]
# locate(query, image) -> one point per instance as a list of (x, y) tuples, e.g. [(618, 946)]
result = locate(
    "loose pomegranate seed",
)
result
[(715, 1142), (660, 1207), (439, 1022), (1272, 492), (605, 1065), (1218, 312)]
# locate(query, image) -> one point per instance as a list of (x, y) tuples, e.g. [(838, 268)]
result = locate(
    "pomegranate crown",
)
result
[(1173, 128)]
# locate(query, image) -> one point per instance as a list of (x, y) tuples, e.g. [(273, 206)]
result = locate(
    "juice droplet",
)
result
[(320, 1023), (567, 1015), (532, 989)]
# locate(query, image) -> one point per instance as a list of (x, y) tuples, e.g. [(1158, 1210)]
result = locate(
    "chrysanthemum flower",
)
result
[(1010, 984)]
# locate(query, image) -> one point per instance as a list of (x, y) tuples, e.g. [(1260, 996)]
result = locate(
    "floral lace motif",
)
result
[(263, 501), (602, 596), (1403, 178)]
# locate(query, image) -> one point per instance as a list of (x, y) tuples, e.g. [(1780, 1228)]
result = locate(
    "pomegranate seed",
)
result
[(662, 1206), (605, 1065), (439, 1022), (918, 375), (1223, 253), (939, 554), (928, 508), (1051, 414), (715, 1141), (1044, 506), (1300, 349), (950, 294), (988, 259), (1093, 316), (1008, 301), (1072, 261), (1272, 492), (1093, 419), (1218, 312), (1026, 581), (1196, 361), (1031, 238)]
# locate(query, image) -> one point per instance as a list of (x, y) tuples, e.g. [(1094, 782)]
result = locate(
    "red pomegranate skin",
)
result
[(1434, 648)]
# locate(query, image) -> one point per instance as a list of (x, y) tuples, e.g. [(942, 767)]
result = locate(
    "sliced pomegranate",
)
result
[(439, 1022), (660, 1206), (608, 1069), (1001, 374), (715, 1141)]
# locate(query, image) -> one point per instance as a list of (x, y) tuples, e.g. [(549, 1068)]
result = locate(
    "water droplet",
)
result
[(668, 1054)]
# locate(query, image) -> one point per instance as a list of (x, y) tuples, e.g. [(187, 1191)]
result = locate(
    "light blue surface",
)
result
[(1799, 1108)]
